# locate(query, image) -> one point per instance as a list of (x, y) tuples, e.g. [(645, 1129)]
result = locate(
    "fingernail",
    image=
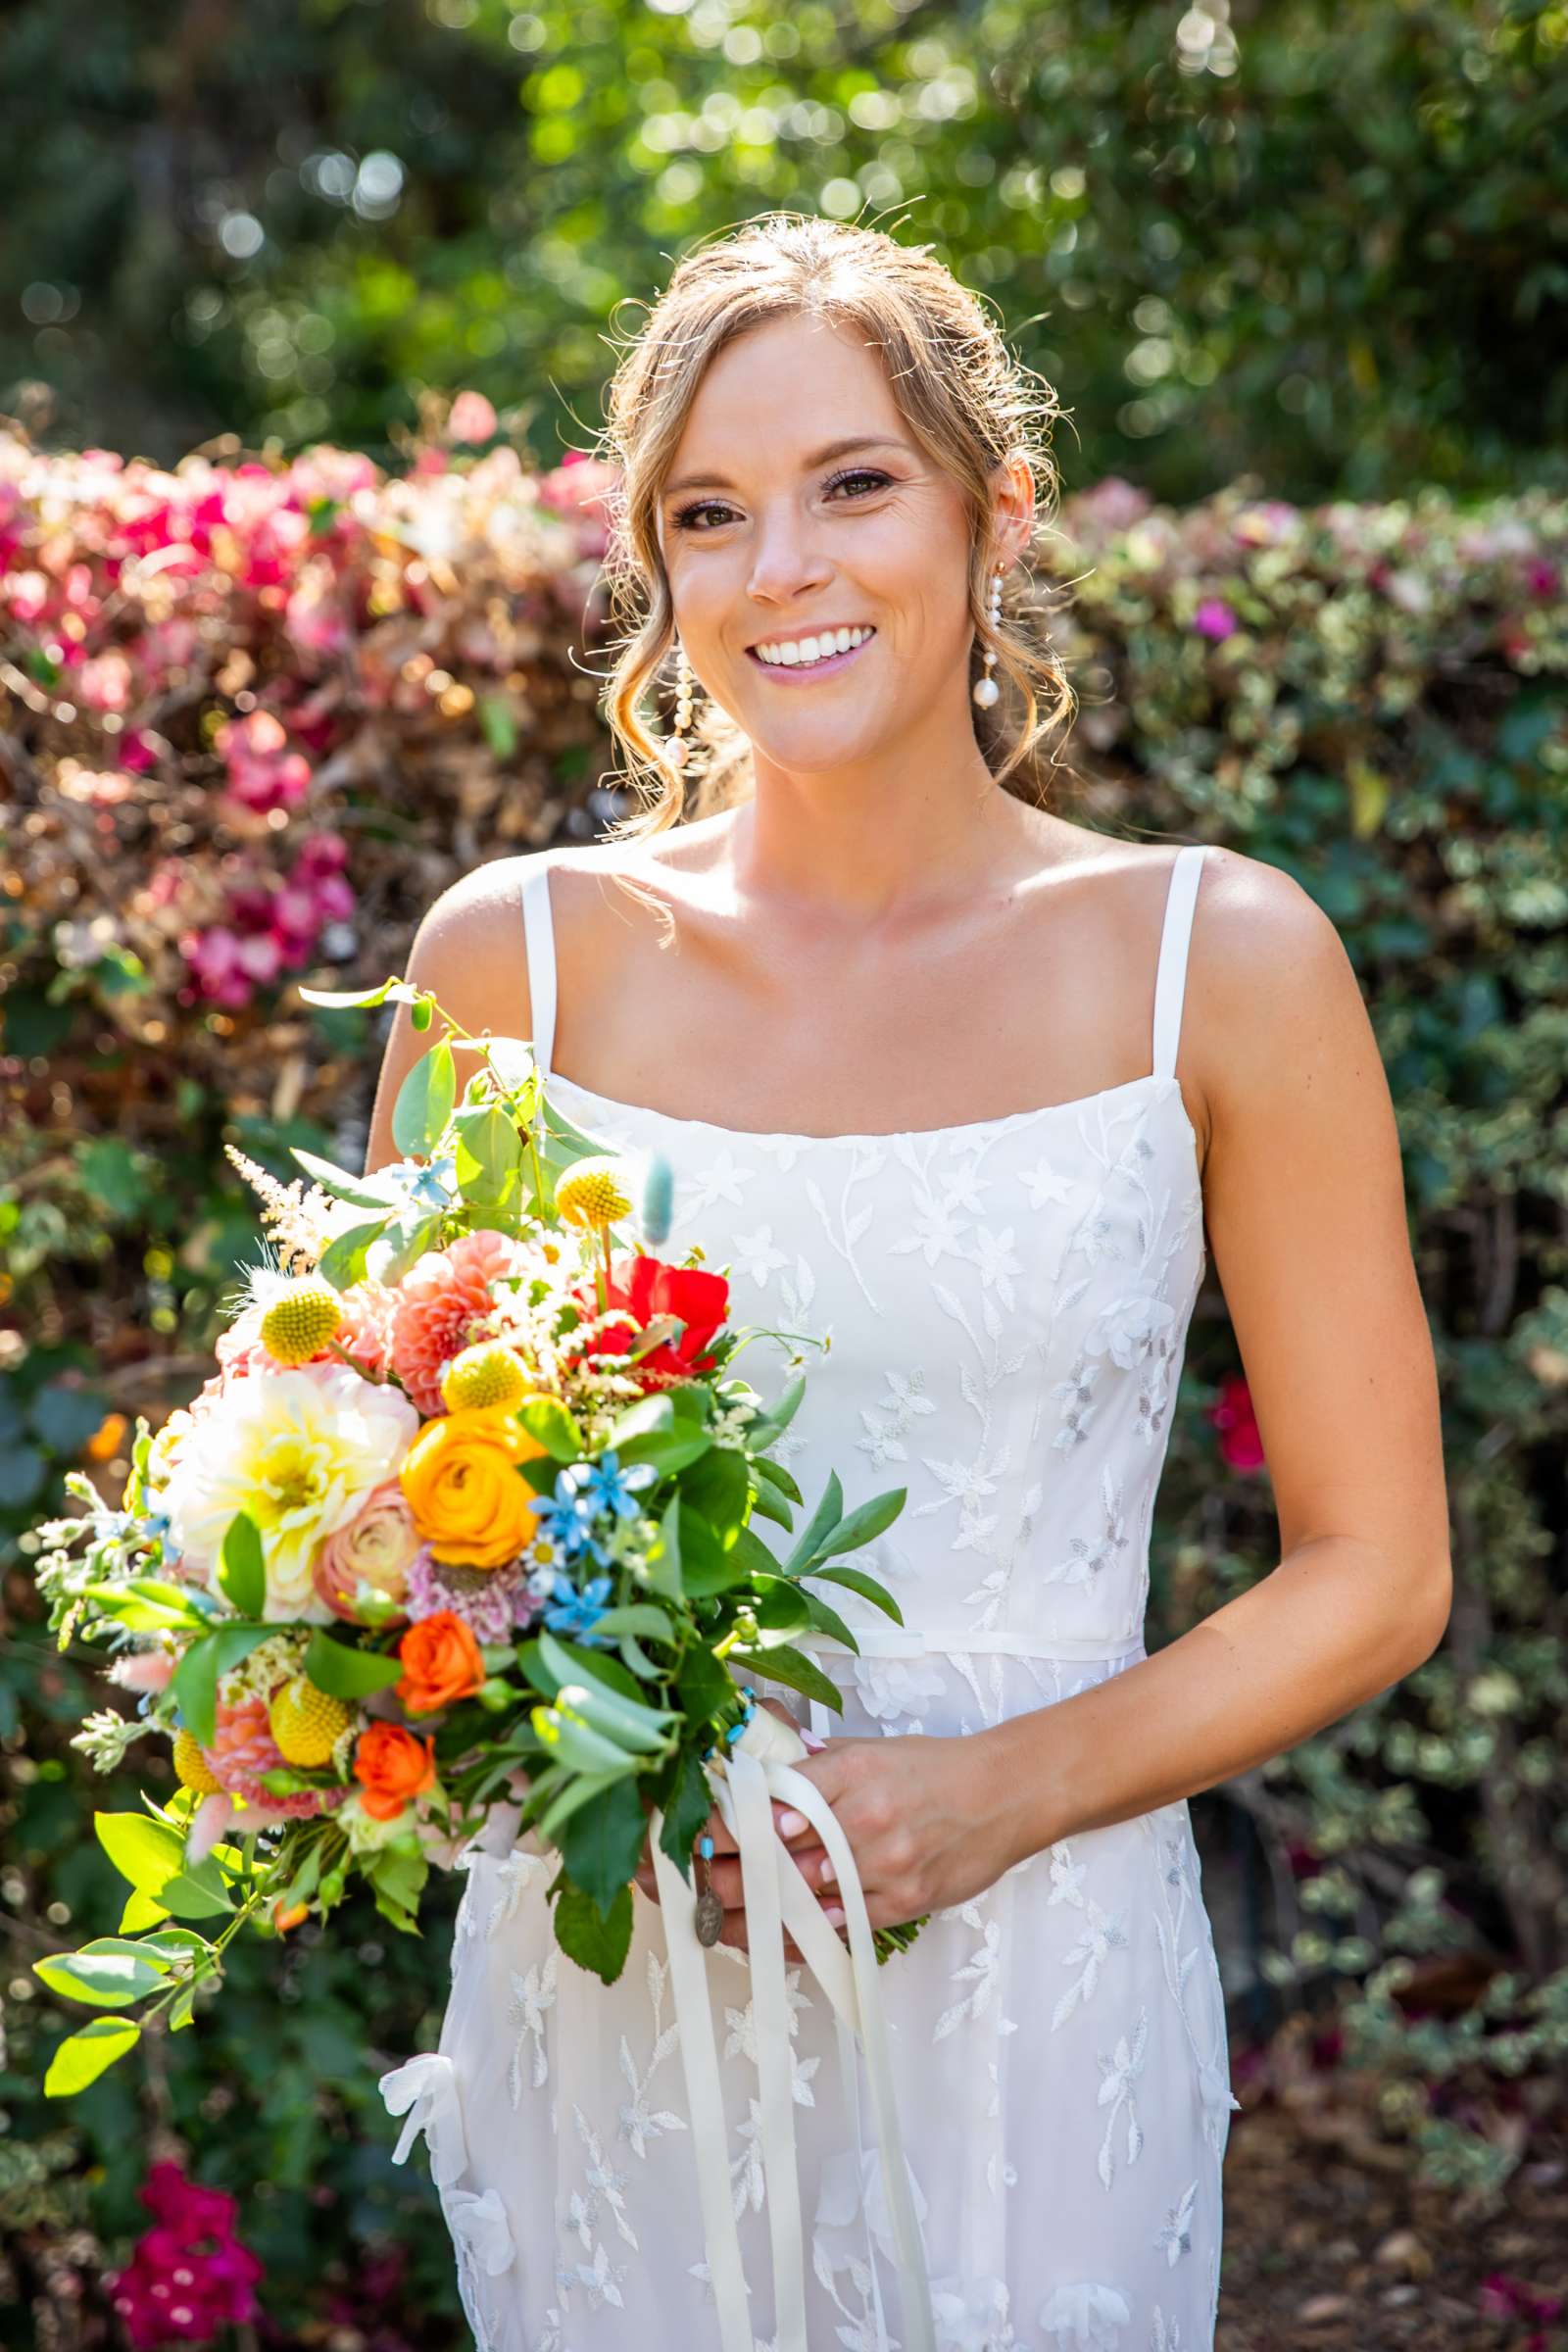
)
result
[(825, 1874), (833, 1914), (790, 1824)]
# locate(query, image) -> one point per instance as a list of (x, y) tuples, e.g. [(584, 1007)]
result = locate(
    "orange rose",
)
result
[(441, 1663), (392, 1766)]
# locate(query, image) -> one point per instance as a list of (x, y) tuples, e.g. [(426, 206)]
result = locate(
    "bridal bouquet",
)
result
[(467, 1514)]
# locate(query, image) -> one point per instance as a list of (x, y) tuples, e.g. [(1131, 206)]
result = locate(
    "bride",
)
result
[(976, 1092)]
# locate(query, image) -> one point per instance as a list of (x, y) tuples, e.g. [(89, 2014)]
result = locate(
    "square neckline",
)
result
[(1000, 1124), (1175, 933)]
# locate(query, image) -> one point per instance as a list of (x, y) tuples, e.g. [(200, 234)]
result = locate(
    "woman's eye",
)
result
[(687, 517)]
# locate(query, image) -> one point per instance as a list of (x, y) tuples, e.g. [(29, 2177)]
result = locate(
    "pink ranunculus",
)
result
[(472, 419), (377, 1547), (1215, 619)]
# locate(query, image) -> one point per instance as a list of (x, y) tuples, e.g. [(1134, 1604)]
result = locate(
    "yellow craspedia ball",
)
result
[(490, 1373), (301, 1320), (593, 1193), (191, 1768), (307, 1722)]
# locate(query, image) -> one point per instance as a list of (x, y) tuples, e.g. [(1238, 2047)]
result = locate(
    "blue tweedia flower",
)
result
[(567, 1519), (614, 1488), (577, 1613), (430, 1185)]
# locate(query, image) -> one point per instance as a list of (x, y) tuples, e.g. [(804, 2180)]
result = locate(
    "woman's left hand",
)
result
[(923, 1817)]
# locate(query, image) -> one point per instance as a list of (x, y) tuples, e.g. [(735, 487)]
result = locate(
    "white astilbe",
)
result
[(301, 1219)]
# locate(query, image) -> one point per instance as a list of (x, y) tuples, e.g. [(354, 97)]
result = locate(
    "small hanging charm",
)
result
[(984, 691), (677, 747), (709, 1910)]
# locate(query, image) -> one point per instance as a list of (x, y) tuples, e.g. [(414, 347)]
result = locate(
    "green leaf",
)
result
[(604, 1841), (691, 1800), (104, 1980), (863, 1525), (194, 1681), (664, 1561), (580, 1663), (781, 1609), (140, 1911), (346, 1672), (793, 1668), (343, 1261), (398, 1247), (83, 2056), (856, 1579), (707, 1567), (549, 1423), (570, 1799), (424, 1102), (144, 1851), (360, 1192), (337, 999), (766, 1504), (637, 1617), (567, 1737), (598, 1940), (242, 1572), (777, 1476), (718, 1487), (824, 1517), (648, 1417), (827, 1620), (752, 1554), (489, 1153), (199, 1893), (704, 1685)]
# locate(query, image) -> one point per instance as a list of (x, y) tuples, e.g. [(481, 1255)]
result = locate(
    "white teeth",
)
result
[(796, 652)]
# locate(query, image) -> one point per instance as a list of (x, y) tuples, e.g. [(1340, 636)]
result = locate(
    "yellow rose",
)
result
[(462, 1484)]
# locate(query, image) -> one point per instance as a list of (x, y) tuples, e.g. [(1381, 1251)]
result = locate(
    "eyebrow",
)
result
[(820, 457)]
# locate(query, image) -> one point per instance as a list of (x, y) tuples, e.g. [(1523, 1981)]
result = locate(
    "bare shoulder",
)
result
[(1295, 1098), (1273, 1001)]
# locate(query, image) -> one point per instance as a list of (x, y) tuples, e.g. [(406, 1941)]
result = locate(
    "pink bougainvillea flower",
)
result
[(265, 772), (1215, 619), (441, 1302), (472, 419), (1241, 1445), (189, 2278)]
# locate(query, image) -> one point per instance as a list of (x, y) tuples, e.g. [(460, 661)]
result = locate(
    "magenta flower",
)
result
[(188, 2277), (1241, 1445), (1215, 619)]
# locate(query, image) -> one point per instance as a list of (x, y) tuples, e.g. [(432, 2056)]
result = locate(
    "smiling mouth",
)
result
[(822, 666)]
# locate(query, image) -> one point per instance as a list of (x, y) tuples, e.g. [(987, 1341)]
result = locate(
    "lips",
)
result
[(801, 672)]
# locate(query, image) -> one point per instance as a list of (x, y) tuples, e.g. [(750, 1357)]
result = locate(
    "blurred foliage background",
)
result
[(1297, 273), (1325, 246)]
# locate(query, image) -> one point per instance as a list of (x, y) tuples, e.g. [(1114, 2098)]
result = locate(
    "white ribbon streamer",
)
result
[(758, 1767)]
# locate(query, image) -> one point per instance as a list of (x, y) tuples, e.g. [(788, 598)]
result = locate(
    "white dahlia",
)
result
[(300, 1451)]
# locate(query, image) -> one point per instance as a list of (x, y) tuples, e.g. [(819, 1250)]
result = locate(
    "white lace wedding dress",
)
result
[(1008, 1303)]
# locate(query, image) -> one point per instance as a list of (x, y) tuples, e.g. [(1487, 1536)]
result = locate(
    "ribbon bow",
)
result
[(758, 1767)]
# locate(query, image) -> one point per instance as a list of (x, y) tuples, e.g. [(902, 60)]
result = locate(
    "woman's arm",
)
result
[(469, 952), (1307, 1228)]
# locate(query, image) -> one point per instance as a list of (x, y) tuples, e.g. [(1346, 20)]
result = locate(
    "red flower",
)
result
[(1240, 1443), (648, 1288)]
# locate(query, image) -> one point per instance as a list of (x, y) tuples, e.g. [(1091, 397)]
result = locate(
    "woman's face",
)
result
[(773, 535)]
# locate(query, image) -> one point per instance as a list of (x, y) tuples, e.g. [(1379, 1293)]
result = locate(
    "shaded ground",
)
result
[(1330, 2246)]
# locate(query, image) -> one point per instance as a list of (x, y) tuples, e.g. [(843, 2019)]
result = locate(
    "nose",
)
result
[(785, 565)]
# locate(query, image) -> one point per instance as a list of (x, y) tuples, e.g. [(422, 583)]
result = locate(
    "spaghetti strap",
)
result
[(540, 941), (1170, 979)]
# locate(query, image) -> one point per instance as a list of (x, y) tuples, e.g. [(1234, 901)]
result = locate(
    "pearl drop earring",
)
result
[(985, 690), (677, 747)]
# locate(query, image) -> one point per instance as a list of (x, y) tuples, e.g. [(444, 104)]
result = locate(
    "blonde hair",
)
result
[(963, 397)]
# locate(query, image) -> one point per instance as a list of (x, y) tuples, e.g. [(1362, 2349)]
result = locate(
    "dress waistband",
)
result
[(958, 1641)]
